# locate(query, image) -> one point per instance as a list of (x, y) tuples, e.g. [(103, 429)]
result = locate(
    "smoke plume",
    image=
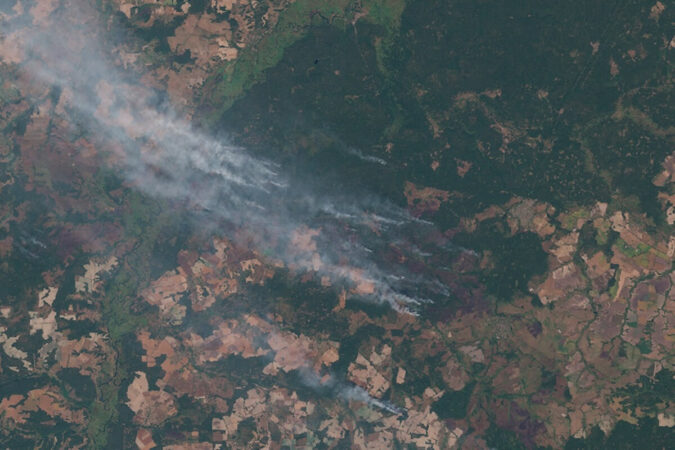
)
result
[(337, 235)]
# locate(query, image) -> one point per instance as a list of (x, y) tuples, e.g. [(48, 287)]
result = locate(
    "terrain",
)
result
[(526, 146)]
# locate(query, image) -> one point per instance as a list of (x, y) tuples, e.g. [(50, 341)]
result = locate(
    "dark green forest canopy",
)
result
[(522, 91)]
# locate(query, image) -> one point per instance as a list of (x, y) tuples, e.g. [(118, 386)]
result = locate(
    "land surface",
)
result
[(536, 136)]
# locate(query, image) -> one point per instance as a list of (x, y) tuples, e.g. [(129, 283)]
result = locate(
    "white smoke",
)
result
[(162, 154), (345, 391), (373, 159)]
